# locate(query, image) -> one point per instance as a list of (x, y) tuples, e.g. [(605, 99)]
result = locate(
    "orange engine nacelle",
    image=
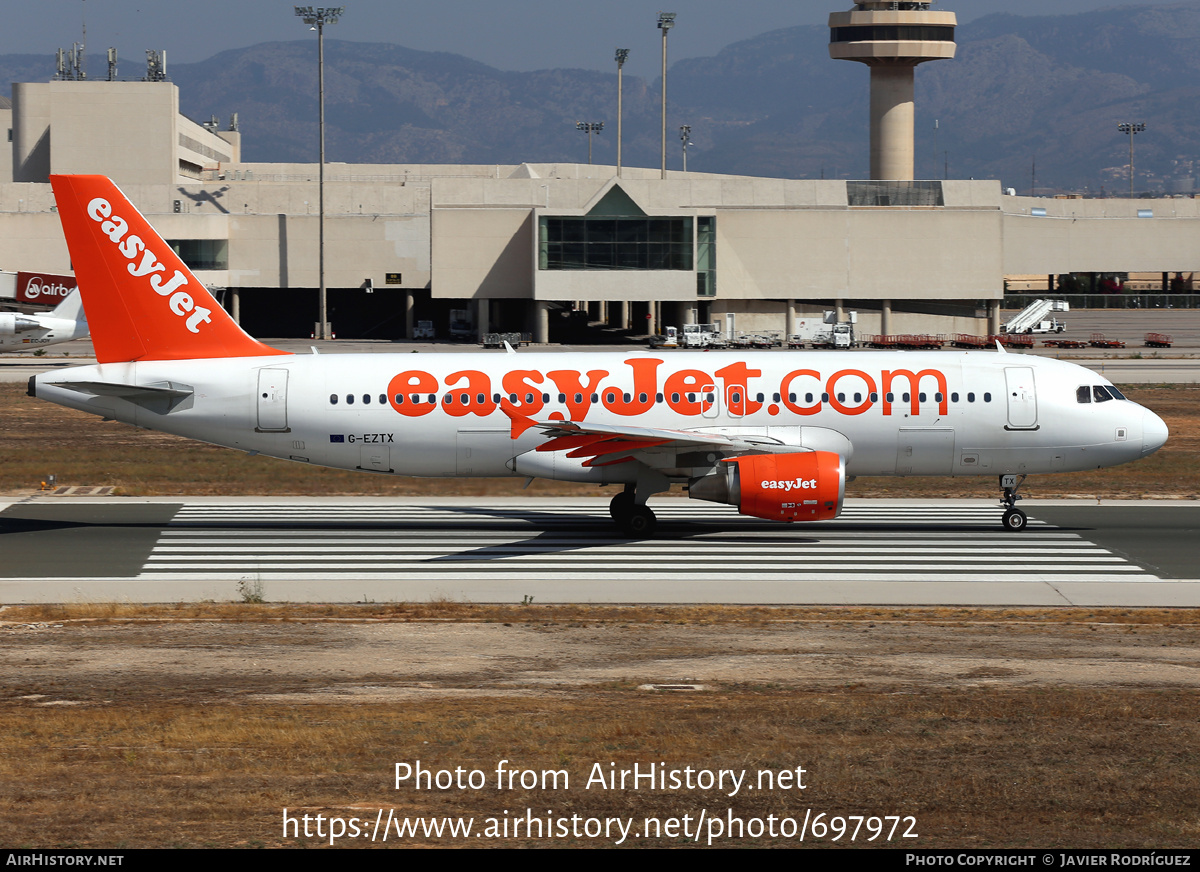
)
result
[(779, 487)]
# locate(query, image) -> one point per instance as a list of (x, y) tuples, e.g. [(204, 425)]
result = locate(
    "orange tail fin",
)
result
[(142, 303)]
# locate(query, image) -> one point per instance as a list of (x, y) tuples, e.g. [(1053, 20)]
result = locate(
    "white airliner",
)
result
[(776, 434), (66, 321)]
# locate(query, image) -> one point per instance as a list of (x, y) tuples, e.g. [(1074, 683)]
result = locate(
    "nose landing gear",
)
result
[(1014, 519)]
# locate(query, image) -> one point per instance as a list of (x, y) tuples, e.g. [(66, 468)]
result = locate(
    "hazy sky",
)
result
[(518, 35)]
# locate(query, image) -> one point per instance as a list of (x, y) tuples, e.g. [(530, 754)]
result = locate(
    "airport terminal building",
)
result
[(530, 247)]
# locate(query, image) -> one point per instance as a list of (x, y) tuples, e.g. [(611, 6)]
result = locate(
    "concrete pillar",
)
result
[(482, 318), (618, 314), (789, 322), (541, 322), (839, 310), (408, 315), (689, 315), (885, 317), (993, 317), (892, 120), (235, 305), (654, 319), (30, 133)]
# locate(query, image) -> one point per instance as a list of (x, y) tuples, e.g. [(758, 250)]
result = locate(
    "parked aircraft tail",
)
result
[(142, 302), (71, 308)]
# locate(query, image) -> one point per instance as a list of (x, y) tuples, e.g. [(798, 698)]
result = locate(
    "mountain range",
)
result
[(1032, 101)]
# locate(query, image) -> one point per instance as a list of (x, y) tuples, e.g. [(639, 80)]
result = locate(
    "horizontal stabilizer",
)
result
[(133, 393), (160, 398)]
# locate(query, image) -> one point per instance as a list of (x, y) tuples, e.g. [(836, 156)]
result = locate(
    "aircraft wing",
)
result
[(603, 444)]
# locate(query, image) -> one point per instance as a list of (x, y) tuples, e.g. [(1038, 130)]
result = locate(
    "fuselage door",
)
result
[(272, 400), (925, 451), (1022, 398), (710, 401)]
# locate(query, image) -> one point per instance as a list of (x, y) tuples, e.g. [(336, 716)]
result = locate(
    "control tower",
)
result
[(891, 38)]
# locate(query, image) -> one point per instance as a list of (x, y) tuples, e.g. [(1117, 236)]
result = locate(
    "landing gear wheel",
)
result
[(1014, 520), (621, 505), (640, 522)]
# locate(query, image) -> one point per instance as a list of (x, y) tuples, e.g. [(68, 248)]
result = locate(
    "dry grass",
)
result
[(463, 612), (981, 769), (141, 760), (41, 438)]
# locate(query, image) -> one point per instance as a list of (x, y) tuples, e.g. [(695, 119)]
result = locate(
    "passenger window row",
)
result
[(1084, 394)]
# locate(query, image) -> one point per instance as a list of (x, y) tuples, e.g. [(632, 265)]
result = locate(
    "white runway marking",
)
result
[(695, 543)]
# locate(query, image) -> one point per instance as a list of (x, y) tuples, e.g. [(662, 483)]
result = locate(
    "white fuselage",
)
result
[(896, 413), (50, 331)]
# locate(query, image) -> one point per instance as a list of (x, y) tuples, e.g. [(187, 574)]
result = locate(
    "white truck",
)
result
[(826, 333), (691, 336), (703, 336)]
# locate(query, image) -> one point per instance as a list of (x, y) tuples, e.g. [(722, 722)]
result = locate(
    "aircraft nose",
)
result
[(1154, 432)]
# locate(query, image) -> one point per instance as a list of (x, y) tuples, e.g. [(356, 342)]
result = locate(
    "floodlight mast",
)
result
[(685, 134), (1131, 128), (621, 56), (666, 20), (589, 127), (316, 17)]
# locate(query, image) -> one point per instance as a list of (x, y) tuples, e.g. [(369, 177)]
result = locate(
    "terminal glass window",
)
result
[(608, 243), (202, 253), (894, 193), (706, 256)]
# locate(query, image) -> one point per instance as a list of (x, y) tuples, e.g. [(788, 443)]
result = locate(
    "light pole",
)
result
[(666, 20), (685, 133), (317, 17), (622, 56), (589, 127), (936, 123), (1131, 128)]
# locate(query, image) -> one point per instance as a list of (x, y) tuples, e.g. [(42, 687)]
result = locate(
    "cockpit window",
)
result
[(1083, 394), (1101, 394), (1116, 393)]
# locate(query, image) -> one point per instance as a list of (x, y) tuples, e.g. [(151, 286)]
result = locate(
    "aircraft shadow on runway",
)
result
[(560, 535), (556, 532)]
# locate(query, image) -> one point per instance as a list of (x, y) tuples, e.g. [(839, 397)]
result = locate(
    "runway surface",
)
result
[(565, 550)]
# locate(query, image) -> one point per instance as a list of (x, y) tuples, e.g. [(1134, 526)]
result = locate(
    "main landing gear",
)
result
[(1014, 519), (634, 519)]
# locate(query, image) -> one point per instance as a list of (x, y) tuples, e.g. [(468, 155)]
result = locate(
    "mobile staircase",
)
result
[(1032, 319)]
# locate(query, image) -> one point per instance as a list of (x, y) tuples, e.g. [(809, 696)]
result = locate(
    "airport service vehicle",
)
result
[(838, 336), (1032, 319), (692, 336), (66, 321), (776, 434), (826, 333), (703, 336)]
